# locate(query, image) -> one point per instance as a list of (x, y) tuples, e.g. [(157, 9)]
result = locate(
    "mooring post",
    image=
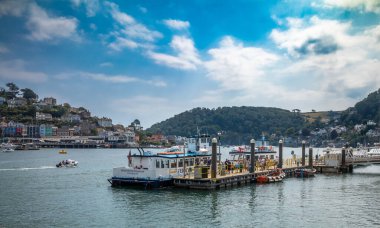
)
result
[(311, 158), (184, 164), (303, 152), (279, 154), (343, 157), (213, 158), (252, 169)]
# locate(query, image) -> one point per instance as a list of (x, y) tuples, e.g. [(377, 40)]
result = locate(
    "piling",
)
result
[(303, 152), (213, 158), (279, 154), (311, 158), (252, 168), (343, 157)]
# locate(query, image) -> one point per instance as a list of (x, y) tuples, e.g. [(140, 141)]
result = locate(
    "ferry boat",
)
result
[(374, 152), (262, 151), (158, 170)]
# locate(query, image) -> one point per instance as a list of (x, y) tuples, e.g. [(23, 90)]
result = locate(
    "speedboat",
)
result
[(68, 163), (276, 176), (7, 147), (305, 172)]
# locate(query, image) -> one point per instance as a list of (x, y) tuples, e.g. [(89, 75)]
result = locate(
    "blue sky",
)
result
[(150, 60)]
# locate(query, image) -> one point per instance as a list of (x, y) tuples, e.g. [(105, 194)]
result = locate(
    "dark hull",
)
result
[(146, 184), (301, 173)]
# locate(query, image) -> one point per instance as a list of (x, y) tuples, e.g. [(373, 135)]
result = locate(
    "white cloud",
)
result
[(362, 5), (15, 70), (120, 43), (186, 55), (143, 9), (106, 64), (328, 51), (13, 8), (129, 32), (108, 78), (314, 36), (237, 67), (176, 24), (111, 78), (45, 27), (92, 6)]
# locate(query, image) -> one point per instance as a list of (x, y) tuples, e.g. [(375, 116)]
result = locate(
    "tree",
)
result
[(333, 134), (12, 90), (29, 94)]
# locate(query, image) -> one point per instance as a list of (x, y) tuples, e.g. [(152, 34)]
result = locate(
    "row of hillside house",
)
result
[(13, 129)]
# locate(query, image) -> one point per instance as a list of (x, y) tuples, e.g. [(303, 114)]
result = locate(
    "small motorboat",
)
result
[(62, 152), (305, 172), (7, 147), (68, 163), (276, 176)]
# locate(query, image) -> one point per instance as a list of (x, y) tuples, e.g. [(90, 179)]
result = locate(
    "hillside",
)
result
[(363, 111), (237, 124)]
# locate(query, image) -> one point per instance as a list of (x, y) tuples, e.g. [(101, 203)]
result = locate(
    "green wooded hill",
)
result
[(363, 111), (237, 124)]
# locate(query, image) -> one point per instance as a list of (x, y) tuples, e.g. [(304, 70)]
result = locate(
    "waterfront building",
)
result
[(46, 130), (65, 131), (33, 131)]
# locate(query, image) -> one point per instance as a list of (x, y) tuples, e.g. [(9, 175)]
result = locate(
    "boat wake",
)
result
[(25, 169), (371, 169)]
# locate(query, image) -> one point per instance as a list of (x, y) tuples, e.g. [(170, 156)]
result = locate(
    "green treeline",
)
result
[(237, 124)]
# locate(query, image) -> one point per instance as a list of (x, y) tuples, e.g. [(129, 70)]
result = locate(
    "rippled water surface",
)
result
[(33, 193)]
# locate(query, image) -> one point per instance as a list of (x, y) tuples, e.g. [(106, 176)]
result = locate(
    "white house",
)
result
[(105, 122)]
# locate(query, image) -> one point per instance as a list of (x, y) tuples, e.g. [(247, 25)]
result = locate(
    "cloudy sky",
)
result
[(151, 60)]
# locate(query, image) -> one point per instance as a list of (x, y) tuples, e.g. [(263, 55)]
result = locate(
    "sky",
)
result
[(151, 60)]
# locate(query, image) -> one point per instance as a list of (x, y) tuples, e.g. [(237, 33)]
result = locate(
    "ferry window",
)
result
[(157, 163), (173, 164), (192, 162), (272, 157), (186, 162), (180, 163), (162, 164), (166, 163), (203, 140)]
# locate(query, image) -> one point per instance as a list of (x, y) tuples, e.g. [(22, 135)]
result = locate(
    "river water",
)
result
[(33, 193)]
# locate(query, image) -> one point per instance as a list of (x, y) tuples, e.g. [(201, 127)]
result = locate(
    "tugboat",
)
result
[(157, 170)]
